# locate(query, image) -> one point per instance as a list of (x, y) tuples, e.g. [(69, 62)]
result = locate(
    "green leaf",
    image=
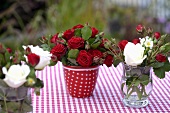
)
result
[(13, 106), (132, 90), (32, 73), (137, 82), (129, 81), (116, 62), (73, 53), (39, 83), (157, 64), (73, 61), (77, 32), (167, 47), (52, 63), (64, 60), (86, 32), (166, 66), (96, 40), (139, 93), (144, 79), (45, 47), (27, 107), (91, 40), (159, 72), (95, 45)]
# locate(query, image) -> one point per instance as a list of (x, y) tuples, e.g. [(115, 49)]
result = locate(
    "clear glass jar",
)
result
[(136, 85), (15, 99)]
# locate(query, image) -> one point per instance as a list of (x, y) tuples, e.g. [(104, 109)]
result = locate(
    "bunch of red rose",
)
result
[(80, 46)]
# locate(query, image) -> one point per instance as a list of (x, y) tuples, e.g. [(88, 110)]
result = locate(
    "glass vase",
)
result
[(15, 100), (136, 85)]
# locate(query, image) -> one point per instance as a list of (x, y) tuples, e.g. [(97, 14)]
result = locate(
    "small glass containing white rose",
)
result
[(18, 74), (140, 58)]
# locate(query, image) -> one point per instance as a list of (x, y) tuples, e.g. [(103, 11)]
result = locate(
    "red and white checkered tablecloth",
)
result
[(106, 96)]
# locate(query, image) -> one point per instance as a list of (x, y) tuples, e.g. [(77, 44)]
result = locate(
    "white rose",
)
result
[(134, 54), (45, 56), (16, 75)]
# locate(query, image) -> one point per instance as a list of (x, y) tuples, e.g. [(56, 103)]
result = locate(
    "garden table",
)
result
[(106, 97)]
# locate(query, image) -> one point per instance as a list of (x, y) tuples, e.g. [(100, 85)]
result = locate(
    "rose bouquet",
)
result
[(18, 75), (78, 46), (139, 57), (81, 50)]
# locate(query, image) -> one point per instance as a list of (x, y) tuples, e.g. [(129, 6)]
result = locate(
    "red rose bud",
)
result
[(76, 42), (108, 60), (122, 44), (54, 58), (33, 59), (59, 50), (84, 58), (9, 50), (157, 35), (149, 30), (139, 28), (54, 38), (135, 41), (78, 26), (160, 58), (28, 50), (104, 40), (68, 34), (94, 32)]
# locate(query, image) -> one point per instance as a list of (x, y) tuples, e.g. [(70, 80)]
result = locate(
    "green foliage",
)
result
[(73, 53), (77, 32), (86, 32), (160, 70)]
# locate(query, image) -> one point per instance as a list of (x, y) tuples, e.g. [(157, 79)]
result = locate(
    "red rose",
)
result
[(59, 50), (139, 28), (9, 50), (33, 59), (84, 58), (68, 34), (135, 41), (78, 26), (76, 42), (160, 58), (94, 32), (108, 60), (96, 53), (122, 44), (157, 35)]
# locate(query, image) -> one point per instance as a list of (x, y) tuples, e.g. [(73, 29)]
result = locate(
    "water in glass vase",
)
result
[(136, 86)]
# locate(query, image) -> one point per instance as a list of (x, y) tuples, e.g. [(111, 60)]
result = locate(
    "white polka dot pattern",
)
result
[(80, 83)]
